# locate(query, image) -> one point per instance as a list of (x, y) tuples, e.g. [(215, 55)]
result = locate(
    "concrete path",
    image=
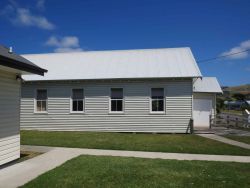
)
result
[(218, 130), (225, 140), (229, 131), (141, 154), (21, 173)]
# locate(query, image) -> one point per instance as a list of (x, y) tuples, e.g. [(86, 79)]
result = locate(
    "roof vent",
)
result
[(10, 50)]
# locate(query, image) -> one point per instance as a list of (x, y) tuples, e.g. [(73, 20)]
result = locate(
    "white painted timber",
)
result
[(9, 117), (204, 105), (136, 116), (116, 64)]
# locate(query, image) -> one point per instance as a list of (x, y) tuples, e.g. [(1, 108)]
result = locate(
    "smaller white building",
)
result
[(204, 101), (12, 66)]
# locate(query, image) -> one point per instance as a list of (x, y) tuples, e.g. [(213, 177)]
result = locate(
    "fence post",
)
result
[(247, 115), (191, 125), (228, 122), (210, 121)]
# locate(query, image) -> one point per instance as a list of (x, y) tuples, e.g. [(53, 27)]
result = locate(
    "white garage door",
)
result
[(202, 110)]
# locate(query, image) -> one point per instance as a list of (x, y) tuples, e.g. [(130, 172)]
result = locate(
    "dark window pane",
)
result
[(77, 93), (74, 105), (38, 106), (119, 105), (160, 105), (80, 105), (116, 93), (116, 105), (41, 94), (157, 93), (44, 106), (154, 105), (157, 105), (113, 105)]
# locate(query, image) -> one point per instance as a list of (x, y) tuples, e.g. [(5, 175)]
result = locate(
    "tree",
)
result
[(219, 105), (239, 96)]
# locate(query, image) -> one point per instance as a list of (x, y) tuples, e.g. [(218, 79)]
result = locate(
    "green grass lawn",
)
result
[(234, 112), (92, 171), (175, 143), (245, 139)]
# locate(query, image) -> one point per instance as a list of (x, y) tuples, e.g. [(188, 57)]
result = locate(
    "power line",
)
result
[(222, 56)]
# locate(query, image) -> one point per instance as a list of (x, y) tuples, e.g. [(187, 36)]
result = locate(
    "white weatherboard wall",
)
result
[(9, 117), (136, 117)]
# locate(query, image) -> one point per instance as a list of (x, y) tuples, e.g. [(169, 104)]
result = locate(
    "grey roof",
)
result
[(15, 61), (207, 85), (116, 64)]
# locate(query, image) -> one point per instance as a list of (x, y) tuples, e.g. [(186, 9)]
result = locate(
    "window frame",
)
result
[(35, 102), (123, 101), (164, 100), (71, 103)]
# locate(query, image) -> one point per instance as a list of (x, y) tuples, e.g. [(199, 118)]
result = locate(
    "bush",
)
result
[(219, 105)]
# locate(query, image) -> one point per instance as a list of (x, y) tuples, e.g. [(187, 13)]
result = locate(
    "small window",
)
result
[(41, 100), (77, 100), (116, 100), (157, 100)]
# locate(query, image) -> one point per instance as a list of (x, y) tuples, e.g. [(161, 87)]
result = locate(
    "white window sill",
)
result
[(77, 112), (115, 112), (160, 113), (41, 112)]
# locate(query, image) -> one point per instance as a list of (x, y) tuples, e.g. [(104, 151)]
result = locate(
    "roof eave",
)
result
[(217, 92), (21, 66), (91, 79)]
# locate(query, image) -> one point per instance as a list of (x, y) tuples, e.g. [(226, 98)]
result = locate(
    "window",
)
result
[(41, 100), (157, 100), (116, 100), (77, 100)]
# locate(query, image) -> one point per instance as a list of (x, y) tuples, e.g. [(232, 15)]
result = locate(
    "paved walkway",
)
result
[(230, 131), (218, 130), (225, 140), (21, 173)]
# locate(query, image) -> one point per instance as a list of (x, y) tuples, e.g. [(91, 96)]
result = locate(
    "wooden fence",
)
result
[(230, 121)]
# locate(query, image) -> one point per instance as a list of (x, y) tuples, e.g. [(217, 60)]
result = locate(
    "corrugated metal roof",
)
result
[(207, 85), (116, 64)]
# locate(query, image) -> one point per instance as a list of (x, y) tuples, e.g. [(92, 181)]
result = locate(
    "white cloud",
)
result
[(241, 47), (64, 44), (40, 4), (24, 17)]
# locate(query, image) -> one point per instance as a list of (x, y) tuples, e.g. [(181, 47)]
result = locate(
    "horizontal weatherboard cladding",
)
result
[(9, 117), (97, 117)]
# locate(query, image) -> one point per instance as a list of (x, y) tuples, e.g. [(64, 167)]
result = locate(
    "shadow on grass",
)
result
[(25, 155)]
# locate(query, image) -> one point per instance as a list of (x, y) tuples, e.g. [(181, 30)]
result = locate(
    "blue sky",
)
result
[(210, 28)]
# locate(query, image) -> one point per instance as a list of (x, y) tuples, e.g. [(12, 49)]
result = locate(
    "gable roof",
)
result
[(116, 64), (207, 85), (18, 62)]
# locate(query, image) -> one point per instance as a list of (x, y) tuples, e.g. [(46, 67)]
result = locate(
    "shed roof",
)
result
[(116, 64), (18, 62), (207, 85)]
